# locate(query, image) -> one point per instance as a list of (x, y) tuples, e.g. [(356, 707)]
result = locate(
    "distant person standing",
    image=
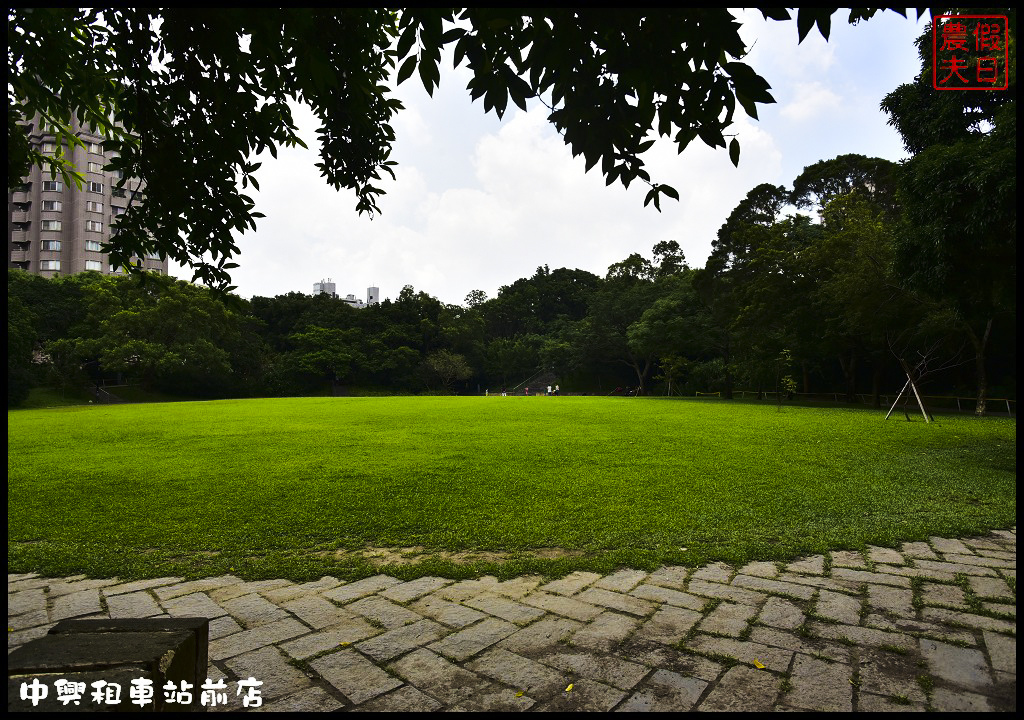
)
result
[(549, 389), (527, 392), (557, 391)]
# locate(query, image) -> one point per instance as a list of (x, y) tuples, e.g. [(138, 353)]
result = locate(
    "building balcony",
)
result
[(20, 216), (19, 256), (20, 196), (19, 236)]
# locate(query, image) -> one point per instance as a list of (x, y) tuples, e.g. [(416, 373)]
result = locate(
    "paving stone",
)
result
[(743, 689), (789, 641), (404, 699), (823, 583), (516, 587), (665, 691), (28, 584), (968, 620), (193, 586), (407, 592), (20, 637), (505, 609), (870, 577), (230, 592), (728, 619), (885, 673), (990, 587), (918, 550), (885, 555), (316, 611), (32, 600), (357, 678), (715, 572), (384, 612), (622, 581), (360, 588), (571, 584), (672, 576), (56, 588), (14, 577), (668, 625), (395, 642), (955, 568), (223, 626), (668, 658), (344, 633), (540, 637), (247, 640), (567, 606), (848, 559), (909, 625), (838, 607), (604, 631), (773, 586), (999, 554), (917, 572), (468, 642), (79, 604), (195, 605), (813, 565), (252, 610), (946, 545), (725, 592), (133, 605), (441, 679), (933, 594), (868, 702), (862, 636), (529, 676), (606, 669), (1002, 650), (27, 620), (616, 601), (291, 592), (1010, 610), (746, 652), (822, 686), (945, 700), (964, 666), (446, 612), (137, 585), (469, 588), (895, 601), (659, 594), (980, 560), (495, 699), (311, 699), (585, 696), (781, 613), (269, 665), (759, 569)]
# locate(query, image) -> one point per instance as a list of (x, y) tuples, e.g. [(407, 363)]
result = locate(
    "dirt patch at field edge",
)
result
[(380, 556)]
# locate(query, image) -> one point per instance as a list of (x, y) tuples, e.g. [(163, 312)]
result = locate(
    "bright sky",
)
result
[(480, 203)]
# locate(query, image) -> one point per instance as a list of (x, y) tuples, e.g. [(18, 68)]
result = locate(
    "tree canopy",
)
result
[(189, 96)]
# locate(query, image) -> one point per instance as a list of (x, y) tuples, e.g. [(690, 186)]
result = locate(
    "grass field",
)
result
[(455, 486)]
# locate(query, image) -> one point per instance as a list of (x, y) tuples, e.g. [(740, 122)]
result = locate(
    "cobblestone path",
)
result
[(930, 626)]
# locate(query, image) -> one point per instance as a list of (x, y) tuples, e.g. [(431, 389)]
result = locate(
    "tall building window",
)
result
[(49, 148), (116, 209), (53, 185), (117, 192), (93, 206), (49, 225), (93, 265), (95, 187), (95, 167), (52, 205), (93, 245), (93, 226), (50, 245), (94, 147), (49, 264)]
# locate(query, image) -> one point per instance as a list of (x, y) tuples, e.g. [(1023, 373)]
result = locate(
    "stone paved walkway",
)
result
[(930, 626)]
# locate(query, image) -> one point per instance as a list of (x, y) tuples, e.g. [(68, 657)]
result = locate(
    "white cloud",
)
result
[(810, 102)]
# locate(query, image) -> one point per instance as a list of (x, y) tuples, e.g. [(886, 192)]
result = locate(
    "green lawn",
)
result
[(299, 488)]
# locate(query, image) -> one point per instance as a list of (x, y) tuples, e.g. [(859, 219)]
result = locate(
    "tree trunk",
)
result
[(980, 346), (850, 375), (807, 376), (728, 372)]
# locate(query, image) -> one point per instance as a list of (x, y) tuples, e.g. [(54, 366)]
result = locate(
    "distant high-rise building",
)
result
[(54, 228), (372, 295), (325, 287)]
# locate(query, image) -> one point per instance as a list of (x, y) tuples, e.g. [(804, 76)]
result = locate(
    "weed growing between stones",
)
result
[(895, 649), (899, 700), (917, 593)]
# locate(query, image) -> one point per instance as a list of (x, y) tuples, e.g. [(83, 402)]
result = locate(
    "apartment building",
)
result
[(54, 228)]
